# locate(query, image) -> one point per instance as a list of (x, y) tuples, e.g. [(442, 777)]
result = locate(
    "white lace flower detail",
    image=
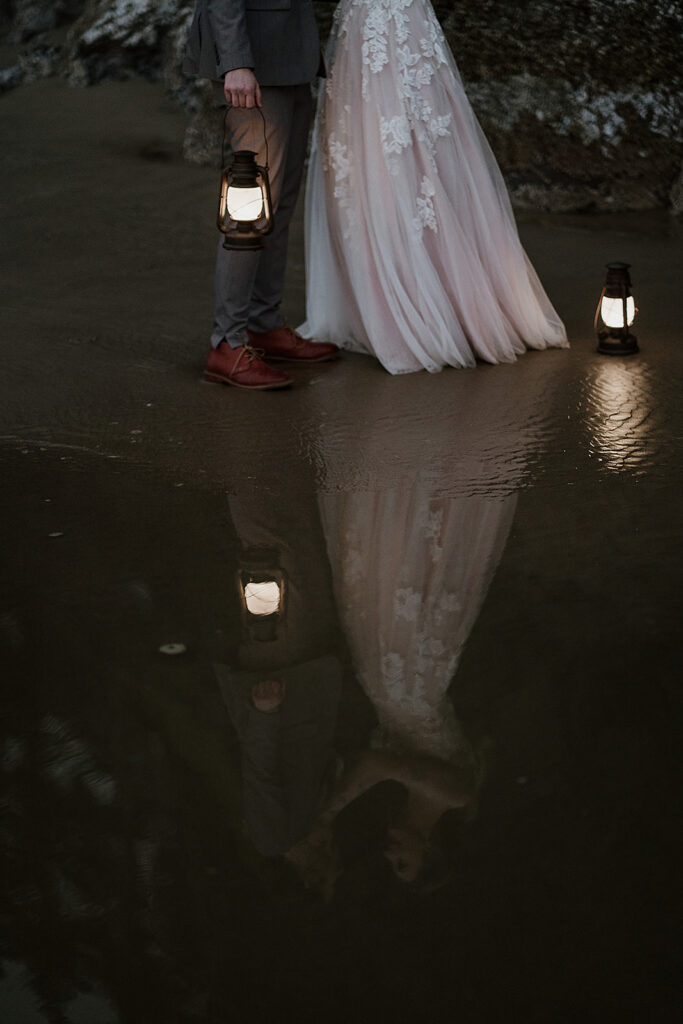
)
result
[(375, 31), (395, 133), (338, 159), (374, 40), (426, 216), (355, 566), (393, 667), (431, 519), (447, 604), (432, 47), (407, 604), (437, 127)]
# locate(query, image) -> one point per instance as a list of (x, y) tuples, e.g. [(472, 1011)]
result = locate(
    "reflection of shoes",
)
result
[(285, 345), (243, 368)]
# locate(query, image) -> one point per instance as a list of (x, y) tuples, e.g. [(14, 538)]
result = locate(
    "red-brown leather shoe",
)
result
[(243, 368), (284, 345)]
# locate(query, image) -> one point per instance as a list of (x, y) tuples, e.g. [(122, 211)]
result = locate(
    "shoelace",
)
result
[(249, 353), (252, 353)]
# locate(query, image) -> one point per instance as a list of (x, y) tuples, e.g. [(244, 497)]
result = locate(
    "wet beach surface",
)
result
[(131, 491)]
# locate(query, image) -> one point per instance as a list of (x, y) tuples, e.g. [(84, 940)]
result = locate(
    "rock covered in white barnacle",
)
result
[(130, 23), (581, 101), (569, 147), (123, 37), (31, 18)]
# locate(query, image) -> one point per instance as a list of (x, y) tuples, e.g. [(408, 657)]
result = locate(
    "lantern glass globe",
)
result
[(245, 204), (612, 312)]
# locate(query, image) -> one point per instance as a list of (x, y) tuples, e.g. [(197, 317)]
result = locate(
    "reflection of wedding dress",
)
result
[(410, 575), (412, 249)]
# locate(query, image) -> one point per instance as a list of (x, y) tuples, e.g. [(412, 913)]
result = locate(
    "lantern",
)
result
[(244, 209), (615, 313), (261, 585)]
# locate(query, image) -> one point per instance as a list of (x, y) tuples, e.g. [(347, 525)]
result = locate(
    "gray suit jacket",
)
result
[(277, 39)]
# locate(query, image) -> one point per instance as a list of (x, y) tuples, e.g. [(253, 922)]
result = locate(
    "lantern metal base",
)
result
[(619, 346), (235, 243)]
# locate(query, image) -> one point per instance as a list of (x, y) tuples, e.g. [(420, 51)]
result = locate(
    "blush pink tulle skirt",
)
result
[(412, 251)]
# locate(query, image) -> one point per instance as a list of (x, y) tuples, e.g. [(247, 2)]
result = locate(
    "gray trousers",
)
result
[(248, 285)]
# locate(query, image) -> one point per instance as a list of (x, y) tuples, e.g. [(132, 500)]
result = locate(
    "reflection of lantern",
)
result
[(261, 585), (615, 313), (244, 209)]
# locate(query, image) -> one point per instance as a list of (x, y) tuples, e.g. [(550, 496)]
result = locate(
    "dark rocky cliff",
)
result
[(580, 99)]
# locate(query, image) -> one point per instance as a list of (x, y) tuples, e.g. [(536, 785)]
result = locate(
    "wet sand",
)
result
[(133, 893)]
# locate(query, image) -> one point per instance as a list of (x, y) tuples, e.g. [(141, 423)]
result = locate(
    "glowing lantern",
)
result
[(616, 312), (244, 209)]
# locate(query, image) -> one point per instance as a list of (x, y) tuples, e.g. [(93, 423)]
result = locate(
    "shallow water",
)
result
[(135, 891)]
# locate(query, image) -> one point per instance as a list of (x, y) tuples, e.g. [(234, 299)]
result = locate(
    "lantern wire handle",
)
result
[(225, 129), (598, 310)]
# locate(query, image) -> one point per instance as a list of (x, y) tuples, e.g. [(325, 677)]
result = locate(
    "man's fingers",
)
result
[(242, 89), (243, 99)]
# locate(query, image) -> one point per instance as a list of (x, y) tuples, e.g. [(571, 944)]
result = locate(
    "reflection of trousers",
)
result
[(248, 285)]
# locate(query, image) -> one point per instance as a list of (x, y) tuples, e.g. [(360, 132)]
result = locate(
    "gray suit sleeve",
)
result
[(229, 27)]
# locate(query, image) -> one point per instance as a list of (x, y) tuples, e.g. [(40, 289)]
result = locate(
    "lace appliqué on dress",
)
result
[(381, 14), (395, 133), (337, 157), (386, 37), (425, 217), (386, 31)]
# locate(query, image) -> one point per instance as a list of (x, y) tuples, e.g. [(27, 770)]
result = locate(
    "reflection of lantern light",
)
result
[(261, 585), (615, 313), (244, 208), (621, 416), (262, 598)]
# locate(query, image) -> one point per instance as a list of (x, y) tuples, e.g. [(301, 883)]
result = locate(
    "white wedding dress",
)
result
[(412, 252)]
